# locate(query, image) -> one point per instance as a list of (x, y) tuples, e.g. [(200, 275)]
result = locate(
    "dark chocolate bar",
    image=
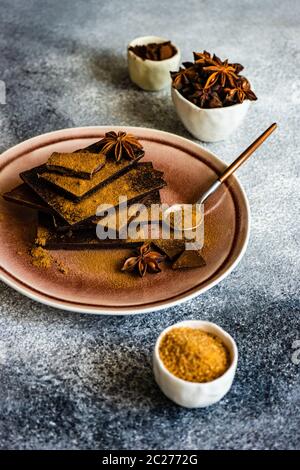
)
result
[(81, 164), (48, 237), (78, 188), (122, 217)]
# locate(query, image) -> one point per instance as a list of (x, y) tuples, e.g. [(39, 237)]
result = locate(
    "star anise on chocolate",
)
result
[(220, 72), (121, 144), (205, 97), (183, 77), (145, 260), (240, 92)]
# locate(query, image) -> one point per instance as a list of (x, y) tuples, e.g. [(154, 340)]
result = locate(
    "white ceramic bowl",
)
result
[(151, 75), (209, 125), (193, 394)]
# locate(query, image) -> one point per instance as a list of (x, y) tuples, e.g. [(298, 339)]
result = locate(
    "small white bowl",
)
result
[(151, 75), (209, 125), (194, 394)]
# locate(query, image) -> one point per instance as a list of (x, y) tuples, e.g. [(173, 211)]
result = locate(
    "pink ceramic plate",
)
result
[(94, 283)]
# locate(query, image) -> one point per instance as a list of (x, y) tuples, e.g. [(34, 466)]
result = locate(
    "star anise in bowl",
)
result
[(221, 71), (205, 97), (145, 260), (240, 92), (209, 82), (183, 77), (120, 145)]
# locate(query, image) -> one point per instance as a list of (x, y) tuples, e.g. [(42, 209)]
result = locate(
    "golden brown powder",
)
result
[(42, 235), (77, 162), (61, 267), (40, 257), (96, 262), (193, 354)]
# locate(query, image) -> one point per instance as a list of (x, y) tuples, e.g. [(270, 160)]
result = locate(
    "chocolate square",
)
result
[(189, 259)]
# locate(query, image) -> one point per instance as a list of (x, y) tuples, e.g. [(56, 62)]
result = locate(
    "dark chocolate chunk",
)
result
[(24, 196), (78, 188), (171, 248), (189, 259), (79, 164)]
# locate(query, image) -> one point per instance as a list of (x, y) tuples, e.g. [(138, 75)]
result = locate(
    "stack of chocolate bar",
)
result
[(68, 189)]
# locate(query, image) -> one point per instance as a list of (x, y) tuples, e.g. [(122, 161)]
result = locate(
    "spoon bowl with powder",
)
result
[(173, 214)]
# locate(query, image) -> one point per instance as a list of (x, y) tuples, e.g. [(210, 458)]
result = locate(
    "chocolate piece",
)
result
[(121, 219), (77, 188), (189, 259), (139, 181), (171, 248), (49, 238), (24, 196), (61, 225), (81, 164)]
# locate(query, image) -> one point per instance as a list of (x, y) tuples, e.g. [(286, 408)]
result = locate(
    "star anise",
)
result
[(145, 260), (202, 58), (209, 82), (240, 92), (122, 144), (183, 77), (205, 97), (206, 59), (221, 72), (238, 67)]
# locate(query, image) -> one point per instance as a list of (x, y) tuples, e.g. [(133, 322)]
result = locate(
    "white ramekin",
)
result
[(193, 394), (151, 75), (209, 125)]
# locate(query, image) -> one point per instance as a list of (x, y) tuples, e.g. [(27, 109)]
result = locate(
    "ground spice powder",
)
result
[(40, 257), (193, 354)]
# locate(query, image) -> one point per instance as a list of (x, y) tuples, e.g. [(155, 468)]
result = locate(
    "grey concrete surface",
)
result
[(85, 382)]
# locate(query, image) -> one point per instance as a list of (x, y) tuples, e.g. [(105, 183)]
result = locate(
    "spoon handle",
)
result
[(246, 154)]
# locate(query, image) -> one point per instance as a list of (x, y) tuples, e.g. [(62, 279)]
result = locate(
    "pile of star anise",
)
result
[(209, 82)]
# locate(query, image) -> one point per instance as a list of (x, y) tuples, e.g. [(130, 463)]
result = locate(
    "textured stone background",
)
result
[(76, 381)]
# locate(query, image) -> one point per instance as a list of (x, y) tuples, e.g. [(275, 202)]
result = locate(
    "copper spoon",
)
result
[(223, 177)]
